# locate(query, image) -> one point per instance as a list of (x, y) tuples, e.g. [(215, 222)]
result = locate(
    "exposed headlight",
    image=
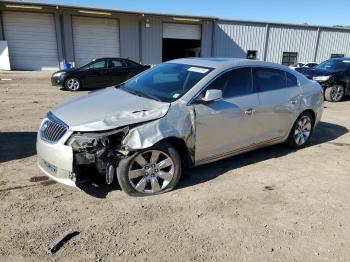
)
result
[(86, 141), (321, 78), (89, 140), (58, 74)]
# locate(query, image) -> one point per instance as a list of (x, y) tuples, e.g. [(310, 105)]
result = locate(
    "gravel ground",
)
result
[(273, 204)]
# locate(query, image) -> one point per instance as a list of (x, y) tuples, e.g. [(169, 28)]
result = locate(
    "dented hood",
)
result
[(107, 109)]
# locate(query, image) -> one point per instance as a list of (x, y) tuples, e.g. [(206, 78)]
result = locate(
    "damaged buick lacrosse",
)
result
[(181, 113)]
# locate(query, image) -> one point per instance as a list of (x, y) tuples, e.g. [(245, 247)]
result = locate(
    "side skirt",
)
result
[(242, 150)]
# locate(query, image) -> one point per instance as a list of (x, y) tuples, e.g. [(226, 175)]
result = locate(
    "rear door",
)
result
[(228, 124), (134, 68), (118, 71), (280, 97)]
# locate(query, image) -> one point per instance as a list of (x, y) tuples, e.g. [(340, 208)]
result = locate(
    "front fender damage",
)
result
[(109, 149), (178, 123)]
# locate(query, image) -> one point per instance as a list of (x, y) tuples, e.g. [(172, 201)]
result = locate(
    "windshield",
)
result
[(166, 82), (334, 65)]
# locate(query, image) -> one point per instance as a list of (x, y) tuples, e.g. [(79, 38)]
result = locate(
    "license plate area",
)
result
[(52, 169)]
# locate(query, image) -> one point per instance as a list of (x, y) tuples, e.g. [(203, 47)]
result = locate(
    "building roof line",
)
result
[(218, 19), (107, 9), (283, 24)]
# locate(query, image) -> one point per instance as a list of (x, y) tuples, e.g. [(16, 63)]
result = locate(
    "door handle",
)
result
[(249, 111), (293, 101)]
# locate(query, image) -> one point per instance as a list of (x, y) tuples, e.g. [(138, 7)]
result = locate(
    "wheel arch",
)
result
[(179, 144), (313, 114)]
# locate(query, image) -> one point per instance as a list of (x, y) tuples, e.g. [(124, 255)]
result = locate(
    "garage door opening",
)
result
[(181, 40), (178, 48)]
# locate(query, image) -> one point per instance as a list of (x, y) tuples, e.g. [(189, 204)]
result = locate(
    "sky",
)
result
[(313, 12)]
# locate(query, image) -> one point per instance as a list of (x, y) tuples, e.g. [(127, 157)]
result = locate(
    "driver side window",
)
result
[(98, 65), (237, 82)]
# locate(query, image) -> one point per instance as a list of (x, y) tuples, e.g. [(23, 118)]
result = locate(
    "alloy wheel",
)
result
[(302, 130), (151, 171), (337, 93), (73, 84)]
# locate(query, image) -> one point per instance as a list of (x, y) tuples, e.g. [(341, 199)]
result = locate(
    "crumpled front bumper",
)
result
[(56, 160)]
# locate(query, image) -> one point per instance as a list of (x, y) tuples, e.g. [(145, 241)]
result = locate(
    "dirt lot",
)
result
[(270, 205)]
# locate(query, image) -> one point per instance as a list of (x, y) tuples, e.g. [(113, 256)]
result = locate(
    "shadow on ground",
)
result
[(325, 132), (16, 145)]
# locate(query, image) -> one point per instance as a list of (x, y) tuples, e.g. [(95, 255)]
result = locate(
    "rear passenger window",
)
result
[(114, 63), (237, 82), (132, 64), (269, 79), (291, 80)]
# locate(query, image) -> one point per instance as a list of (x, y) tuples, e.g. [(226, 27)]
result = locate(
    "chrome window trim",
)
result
[(256, 91)]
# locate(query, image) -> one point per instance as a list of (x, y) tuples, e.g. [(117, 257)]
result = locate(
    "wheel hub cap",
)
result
[(151, 171), (303, 130), (73, 84), (337, 93)]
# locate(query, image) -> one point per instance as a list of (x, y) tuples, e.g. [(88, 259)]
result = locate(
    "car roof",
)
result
[(102, 58), (224, 63)]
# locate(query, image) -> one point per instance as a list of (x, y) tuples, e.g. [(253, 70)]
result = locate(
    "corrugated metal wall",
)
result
[(220, 38), (233, 39), (130, 38), (291, 39), (333, 42), (207, 32), (152, 41), (1, 27)]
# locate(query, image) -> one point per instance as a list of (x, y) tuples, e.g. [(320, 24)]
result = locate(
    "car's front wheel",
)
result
[(301, 131), (149, 172), (335, 93), (72, 84)]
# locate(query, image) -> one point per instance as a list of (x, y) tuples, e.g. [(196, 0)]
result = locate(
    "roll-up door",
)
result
[(31, 40), (95, 38), (181, 31)]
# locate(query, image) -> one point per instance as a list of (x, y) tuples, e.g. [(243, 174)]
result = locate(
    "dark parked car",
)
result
[(333, 75), (101, 72)]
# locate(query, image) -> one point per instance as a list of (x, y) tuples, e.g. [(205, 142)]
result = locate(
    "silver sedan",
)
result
[(182, 113)]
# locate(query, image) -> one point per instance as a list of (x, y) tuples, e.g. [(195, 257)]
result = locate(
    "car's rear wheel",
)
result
[(301, 131), (335, 93), (150, 172), (72, 84)]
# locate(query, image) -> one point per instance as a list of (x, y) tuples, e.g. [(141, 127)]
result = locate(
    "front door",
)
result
[(227, 125), (96, 75)]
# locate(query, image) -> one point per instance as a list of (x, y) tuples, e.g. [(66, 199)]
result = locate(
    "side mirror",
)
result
[(211, 95)]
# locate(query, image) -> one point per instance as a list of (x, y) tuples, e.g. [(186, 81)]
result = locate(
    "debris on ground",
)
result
[(59, 242)]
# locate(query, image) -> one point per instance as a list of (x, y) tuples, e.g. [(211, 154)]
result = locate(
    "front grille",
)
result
[(52, 131)]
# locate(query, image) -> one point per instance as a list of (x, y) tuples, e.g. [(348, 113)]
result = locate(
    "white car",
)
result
[(184, 112), (303, 65)]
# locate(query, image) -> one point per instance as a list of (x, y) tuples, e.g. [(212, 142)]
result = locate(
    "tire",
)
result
[(140, 175), (301, 131), (72, 84), (335, 93)]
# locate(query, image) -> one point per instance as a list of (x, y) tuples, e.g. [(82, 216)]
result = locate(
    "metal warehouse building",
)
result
[(41, 36)]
